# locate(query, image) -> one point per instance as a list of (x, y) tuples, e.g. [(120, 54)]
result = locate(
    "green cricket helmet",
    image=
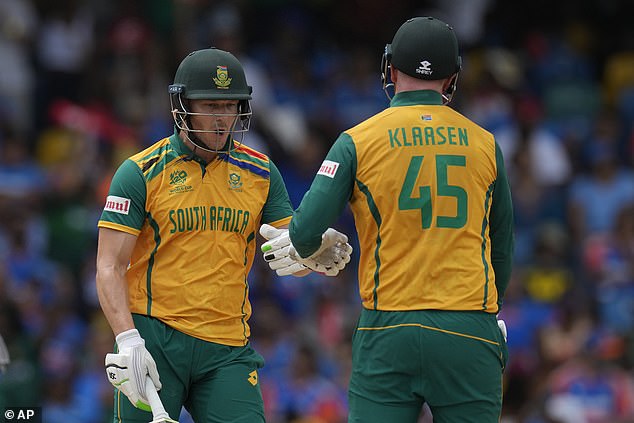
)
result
[(210, 74), (424, 48)]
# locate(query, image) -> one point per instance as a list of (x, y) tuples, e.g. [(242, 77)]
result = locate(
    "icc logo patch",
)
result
[(178, 177), (178, 180), (235, 181)]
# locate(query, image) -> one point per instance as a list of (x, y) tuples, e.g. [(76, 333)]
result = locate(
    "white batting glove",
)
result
[(331, 257), (127, 369), (276, 251), (502, 326)]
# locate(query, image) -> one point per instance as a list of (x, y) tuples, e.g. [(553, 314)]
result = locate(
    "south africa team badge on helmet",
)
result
[(222, 79)]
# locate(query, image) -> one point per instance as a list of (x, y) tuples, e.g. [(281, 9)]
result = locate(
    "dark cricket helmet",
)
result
[(210, 74)]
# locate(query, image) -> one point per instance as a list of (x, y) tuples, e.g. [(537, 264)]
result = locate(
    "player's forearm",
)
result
[(328, 195), (113, 298), (302, 273)]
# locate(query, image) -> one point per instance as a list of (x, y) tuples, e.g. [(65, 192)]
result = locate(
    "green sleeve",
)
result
[(278, 204), (326, 198), (128, 183), (501, 228)]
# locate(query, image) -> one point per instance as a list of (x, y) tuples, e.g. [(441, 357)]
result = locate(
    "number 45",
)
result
[(443, 189)]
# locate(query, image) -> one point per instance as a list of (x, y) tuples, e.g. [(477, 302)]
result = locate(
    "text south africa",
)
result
[(200, 218)]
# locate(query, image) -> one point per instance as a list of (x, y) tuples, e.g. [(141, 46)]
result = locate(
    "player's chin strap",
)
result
[(197, 143), (386, 82), (182, 120), (191, 136), (447, 96)]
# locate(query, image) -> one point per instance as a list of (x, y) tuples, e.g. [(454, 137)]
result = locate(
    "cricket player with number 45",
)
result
[(177, 238), (432, 208)]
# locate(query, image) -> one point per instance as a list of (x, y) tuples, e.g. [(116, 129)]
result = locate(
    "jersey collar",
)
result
[(411, 98), (179, 145), (182, 149)]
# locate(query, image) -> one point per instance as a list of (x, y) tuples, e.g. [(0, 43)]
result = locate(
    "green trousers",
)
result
[(451, 360), (216, 383)]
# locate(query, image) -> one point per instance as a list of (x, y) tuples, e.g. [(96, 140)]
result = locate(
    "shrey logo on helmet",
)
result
[(424, 68)]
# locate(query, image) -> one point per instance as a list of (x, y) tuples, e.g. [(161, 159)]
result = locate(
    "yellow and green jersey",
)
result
[(431, 204), (196, 225)]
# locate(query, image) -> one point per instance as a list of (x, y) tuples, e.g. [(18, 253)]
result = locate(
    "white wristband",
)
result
[(129, 339)]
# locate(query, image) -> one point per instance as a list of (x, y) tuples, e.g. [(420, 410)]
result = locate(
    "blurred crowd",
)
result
[(83, 84)]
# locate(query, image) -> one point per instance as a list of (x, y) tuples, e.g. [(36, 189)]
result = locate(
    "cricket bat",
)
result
[(159, 415)]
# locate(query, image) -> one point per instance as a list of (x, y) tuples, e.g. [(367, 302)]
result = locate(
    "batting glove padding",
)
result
[(277, 251), (127, 369), (331, 257)]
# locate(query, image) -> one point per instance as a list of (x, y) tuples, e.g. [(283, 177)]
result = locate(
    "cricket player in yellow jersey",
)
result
[(432, 208), (177, 239)]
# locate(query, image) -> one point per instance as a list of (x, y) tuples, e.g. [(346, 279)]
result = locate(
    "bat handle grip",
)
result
[(158, 411)]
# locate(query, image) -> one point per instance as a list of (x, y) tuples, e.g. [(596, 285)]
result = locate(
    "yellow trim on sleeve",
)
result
[(118, 227), (281, 222)]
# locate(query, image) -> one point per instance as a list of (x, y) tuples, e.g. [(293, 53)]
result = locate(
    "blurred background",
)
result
[(83, 85)]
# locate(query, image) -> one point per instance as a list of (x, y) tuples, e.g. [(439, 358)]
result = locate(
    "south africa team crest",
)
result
[(235, 181), (222, 79)]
